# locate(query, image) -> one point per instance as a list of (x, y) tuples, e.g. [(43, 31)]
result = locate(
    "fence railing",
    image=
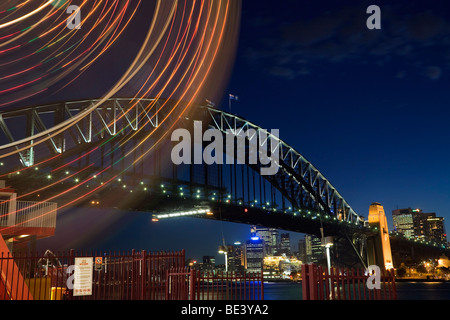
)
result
[(345, 284), (23, 217), (188, 284), (135, 275)]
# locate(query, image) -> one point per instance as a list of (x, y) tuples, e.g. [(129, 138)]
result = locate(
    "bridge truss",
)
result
[(298, 179), (117, 155)]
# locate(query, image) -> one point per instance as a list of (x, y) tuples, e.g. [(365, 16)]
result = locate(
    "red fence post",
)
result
[(320, 282), (144, 275), (191, 284), (313, 282), (133, 273), (262, 285), (71, 263), (305, 282), (327, 285), (167, 285), (309, 282), (394, 290)]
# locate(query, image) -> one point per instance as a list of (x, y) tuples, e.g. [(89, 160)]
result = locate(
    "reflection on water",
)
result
[(282, 291), (423, 290), (405, 291)]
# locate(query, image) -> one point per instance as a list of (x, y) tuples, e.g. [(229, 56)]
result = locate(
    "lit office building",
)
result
[(302, 250), (209, 263), (414, 223), (403, 222), (254, 254), (420, 224), (435, 230), (270, 238), (236, 257), (285, 244), (313, 248)]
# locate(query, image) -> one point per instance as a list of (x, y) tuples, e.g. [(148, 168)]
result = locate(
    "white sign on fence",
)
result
[(84, 268)]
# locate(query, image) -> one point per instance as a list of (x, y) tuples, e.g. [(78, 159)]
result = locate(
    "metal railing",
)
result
[(26, 216), (135, 275), (345, 284), (189, 284)]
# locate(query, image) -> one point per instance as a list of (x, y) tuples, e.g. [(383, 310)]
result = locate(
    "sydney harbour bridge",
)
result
[(114, 150), (104, 161)]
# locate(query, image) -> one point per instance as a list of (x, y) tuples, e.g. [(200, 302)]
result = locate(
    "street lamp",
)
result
[(224, 250), (327, 242)]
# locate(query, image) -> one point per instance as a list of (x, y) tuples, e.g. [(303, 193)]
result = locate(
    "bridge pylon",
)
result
[(379, 247)]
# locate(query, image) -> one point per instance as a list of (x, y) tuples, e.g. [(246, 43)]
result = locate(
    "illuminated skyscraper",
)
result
[(313, 250), (435, 230), (236, 257), (270, 238), (209, 263), (285, 244), (302, 250), (403, 222), (414, 223), (254, 254), (420, 223)]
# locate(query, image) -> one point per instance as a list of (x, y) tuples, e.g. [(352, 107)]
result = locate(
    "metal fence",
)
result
[(345, 284), (135, 275), (27, 217), (188, 284)]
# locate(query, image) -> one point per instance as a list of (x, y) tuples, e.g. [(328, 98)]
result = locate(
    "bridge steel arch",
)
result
[(298, 179), (302, 184)]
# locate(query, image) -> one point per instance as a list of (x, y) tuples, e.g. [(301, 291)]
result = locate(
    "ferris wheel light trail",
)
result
[(185, 50), (4, 25)]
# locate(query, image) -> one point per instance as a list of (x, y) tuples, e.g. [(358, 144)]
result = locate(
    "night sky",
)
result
[(369, 108)]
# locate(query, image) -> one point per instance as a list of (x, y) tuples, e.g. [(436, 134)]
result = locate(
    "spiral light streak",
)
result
[(62, 32), (23, 33), (183, 96), (190, 102), (186, 50), (127, 77), (26, 16)]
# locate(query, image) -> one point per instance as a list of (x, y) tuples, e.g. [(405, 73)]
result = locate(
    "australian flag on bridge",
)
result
[(231, 97)]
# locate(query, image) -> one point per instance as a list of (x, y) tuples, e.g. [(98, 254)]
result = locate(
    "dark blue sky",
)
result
[(369, 108)]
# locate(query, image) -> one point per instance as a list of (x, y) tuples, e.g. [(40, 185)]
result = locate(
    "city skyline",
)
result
[(103, 230)]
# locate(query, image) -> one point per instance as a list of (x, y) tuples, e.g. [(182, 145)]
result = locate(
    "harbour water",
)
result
[(432, 291)]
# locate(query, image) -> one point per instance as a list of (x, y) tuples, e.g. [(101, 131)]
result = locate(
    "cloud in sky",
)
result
[(413, 41), (433, 72), (282, 72)]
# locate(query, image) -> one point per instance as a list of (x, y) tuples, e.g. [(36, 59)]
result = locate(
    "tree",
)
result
[(421, 269), (401, 272)]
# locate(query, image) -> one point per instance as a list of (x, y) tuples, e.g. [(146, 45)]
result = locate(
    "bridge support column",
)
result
[(379, 247)]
